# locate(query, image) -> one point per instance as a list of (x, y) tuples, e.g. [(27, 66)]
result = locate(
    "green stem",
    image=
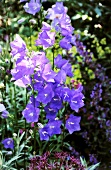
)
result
[(25, 132), (15, 106), (53, 58), (34, 123), (63, 134)]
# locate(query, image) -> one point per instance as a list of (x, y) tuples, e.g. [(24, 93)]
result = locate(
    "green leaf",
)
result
[(93, 166)]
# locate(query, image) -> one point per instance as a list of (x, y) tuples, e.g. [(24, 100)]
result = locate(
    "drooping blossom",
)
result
[(8, 143), (46, 38), (56, 11), (5, 114), (50, 129), (73, 123), (2, 107), (76, 100), (32, 7), (63, 64), (18, 47), (31, 113), (45, 95)]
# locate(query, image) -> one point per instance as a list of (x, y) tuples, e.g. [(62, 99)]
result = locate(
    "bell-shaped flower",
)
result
[(31, 113), (32, 7), (73, 123)]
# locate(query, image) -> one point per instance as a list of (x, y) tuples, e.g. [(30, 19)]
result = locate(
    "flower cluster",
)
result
[(62, 160), (34, 71)]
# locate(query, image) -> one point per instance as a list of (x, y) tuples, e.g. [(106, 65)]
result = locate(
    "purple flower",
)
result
[(56, 102), (31, 113), (22, 72), (93, 158), (5, 114), (46, 39), (32, 7), (63, 25), (56, 11), (38, 82), (8, 143), (54, 127), (58, 8), (44, 133), (34, 101), (18, 47), (59, 62), (45, 26), (23, 0), (60, 77), (65, 44), (48, 74), (68, 69), (50, 112), (21, 20), (108, 123), (60, 20), (2, 107), (64, 65), (76, 100), (72, 123), (46, 94), (50, 129), (66, 94), (23, 82), (39, 59)]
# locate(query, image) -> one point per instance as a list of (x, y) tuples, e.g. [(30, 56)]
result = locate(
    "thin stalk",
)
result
[(34, 122), (53, 59), (25, 132), (35, 137), (30, 28), (15, 106), (63, 134)]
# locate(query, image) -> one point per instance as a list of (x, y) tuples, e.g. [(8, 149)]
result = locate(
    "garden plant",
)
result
[(54, 93)]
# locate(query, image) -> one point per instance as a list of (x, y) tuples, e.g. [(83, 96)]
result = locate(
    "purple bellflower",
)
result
[(56, 11), (60, 20), (46, 39), (56, 102), (8, 143), (31, 113), (76, 100), (18, 47), (66, 94), (50, 112), (50, 129), (63, 64), (54, 127), (44, 135), (32, 7), (60, 78), (72, 123), (22, 72), (48, 74), (5, 114), (65, 44), (45, 95)]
